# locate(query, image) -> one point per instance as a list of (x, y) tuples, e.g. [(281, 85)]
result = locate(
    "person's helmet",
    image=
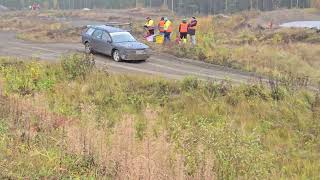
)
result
[(162, 18), (166, 19), (184, 20), (147, 18)]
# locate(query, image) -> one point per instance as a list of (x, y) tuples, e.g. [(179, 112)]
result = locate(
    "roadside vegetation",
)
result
[(238, 42), (72, 120)]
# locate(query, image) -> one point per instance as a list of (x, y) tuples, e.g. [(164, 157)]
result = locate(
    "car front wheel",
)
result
[(116, 56)]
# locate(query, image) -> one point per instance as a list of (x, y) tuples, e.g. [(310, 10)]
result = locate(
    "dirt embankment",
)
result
[(30, 26), (66, 26), (285, 15), (109, 15), (3, 8)]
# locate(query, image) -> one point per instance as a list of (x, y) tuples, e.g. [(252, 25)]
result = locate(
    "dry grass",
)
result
[(116, 152)]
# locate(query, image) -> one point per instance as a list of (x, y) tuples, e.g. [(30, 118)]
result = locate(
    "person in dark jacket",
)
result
[(192, 27)]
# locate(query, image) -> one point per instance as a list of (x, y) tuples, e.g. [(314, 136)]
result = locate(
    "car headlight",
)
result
[(148, 50)]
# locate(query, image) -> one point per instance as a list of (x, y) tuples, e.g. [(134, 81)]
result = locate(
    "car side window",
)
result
[(90, 31), (106, 37), (97, 34)]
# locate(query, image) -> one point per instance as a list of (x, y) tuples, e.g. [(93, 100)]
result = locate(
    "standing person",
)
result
[(161, 26), (34, 6), (38, 6), (270, 24), (183, 29), (149, 26), (192, 29), (167, 29)]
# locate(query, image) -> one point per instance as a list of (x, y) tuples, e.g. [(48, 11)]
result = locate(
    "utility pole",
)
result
[(172, 5), (226, 5)]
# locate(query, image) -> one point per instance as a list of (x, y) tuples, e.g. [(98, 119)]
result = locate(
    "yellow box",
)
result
[(159, 39)]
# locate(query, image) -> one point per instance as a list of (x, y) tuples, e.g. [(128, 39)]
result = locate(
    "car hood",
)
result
[(131, 45)]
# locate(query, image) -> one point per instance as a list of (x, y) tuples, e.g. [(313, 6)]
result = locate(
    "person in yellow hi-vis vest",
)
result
[(167, 29), (149, 26)]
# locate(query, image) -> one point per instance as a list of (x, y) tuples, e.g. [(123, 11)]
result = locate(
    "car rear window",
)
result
[(90, 31)]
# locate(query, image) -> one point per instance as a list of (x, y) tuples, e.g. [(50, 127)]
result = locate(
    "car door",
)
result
[(106, 43), (96, 39)]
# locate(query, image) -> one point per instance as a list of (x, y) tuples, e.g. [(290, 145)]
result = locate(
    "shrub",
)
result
[(26, 79), (235, 154), (190, 83), (140, 128), (77, 65)]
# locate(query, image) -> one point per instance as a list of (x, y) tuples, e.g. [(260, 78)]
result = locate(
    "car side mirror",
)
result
[(107, 40)]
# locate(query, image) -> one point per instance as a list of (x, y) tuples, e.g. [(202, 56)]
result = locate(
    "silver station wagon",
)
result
[(115, 42)]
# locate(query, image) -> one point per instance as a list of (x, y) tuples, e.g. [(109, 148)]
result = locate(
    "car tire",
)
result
[(87, 48), (116, 56)]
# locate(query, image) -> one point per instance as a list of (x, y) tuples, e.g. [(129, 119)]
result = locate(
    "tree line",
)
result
[(181, 6)]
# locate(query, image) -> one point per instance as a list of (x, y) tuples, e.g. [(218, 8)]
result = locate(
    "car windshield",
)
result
[(119, 37)]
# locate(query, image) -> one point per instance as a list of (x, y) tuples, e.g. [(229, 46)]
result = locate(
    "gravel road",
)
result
[(161, 65)]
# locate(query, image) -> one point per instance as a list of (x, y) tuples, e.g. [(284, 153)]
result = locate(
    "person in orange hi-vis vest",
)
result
[(161, 26), (183, 30)]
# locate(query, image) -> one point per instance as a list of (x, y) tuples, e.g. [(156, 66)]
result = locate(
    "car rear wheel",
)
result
[(116, 56), (87, 48)]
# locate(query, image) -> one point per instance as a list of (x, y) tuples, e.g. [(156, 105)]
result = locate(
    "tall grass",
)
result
[(114, 126)]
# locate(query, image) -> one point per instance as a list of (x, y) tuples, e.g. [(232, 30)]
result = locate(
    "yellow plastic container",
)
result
[(159, 39), (184, 40)]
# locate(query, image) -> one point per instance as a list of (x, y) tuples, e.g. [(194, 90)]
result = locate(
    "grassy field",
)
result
[(71, 120)]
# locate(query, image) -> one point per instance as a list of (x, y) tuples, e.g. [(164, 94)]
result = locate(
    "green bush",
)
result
[(26, 79), (77, 65), (190, 83), (140, 128)]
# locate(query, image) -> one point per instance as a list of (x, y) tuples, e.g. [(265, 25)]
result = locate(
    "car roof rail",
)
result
[(125, 26)]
